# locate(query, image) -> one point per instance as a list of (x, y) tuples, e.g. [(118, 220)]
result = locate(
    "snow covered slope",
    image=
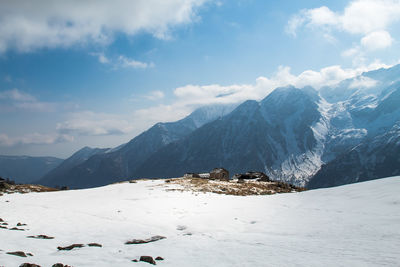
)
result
[(352, 225)]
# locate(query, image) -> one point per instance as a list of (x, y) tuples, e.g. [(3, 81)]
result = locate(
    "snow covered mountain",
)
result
[(290, 135), (107, 166), (364, 139), (255, 136), (352, 225), (26, 169), (293, 132), (373, 158)]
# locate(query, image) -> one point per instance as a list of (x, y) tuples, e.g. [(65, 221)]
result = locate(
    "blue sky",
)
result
[(75, 73)]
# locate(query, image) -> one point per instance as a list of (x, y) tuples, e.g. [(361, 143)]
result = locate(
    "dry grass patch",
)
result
[(24, 188), (234, 187)]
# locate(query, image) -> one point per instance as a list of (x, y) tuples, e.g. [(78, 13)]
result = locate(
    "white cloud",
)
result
[(363, 82), (27, 25), (16, 95), (155, 95), (322, 16), (358, 17), (377, 40), (121, 61), (365, 16), (14, 99), (190, 97), (295, 23), (351, 52), (34, 139), (101, 57), (368, 18), (126, 62), (91, 123)]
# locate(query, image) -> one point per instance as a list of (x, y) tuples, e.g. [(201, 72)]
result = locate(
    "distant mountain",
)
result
[(25, 169), (77, 158), (116, 164), (339, 134)]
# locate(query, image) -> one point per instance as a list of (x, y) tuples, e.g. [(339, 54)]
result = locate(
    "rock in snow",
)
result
[(71, 247), (143, 241), (29, 265), (18, 253), (148, 259), (40, 237)]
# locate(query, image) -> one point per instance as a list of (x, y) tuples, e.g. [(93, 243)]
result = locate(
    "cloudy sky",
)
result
[(97, 73)]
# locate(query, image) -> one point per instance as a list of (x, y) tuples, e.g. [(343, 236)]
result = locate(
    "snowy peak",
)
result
[(255, 136), (209, 113)]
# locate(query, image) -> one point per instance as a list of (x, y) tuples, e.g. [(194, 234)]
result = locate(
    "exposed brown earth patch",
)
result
[(232, 187), (6, 188)]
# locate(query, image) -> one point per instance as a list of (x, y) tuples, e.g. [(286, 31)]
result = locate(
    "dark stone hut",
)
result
[(219, 174)]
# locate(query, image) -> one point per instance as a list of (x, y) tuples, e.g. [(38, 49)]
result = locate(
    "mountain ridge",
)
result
[(26, 169), (290, 134)]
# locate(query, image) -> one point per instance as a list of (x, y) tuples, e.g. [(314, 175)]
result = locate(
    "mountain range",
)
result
[(317, 138), (26, 169), (112, 165)]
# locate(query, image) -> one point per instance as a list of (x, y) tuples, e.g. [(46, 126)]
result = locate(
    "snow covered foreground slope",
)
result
[(352, 225)]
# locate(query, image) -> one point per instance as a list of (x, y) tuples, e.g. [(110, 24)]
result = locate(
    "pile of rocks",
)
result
[(258, 176)]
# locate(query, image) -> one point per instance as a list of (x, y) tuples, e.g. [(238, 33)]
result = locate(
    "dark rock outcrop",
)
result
[(148, 259), (143, 241), (95, 245), (260, 176), (17, 229), (71, 247), (219, 174), (18, 253), (29, 265), (40, 237), (60, 265)]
